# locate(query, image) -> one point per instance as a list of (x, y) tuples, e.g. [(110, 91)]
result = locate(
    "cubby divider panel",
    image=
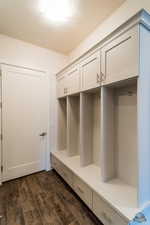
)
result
[(73, 125), (62, 125), (90, 128)]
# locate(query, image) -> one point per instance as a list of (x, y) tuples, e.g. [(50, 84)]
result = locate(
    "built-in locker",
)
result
[(90, 128), (62, 125), (73, 125)]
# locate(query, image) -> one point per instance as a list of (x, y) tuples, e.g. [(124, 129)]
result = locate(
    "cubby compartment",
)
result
[(73, 125), (62, 125), (90, 113), (119, 134)]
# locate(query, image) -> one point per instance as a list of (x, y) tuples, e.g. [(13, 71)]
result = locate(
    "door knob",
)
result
[(43, 134)]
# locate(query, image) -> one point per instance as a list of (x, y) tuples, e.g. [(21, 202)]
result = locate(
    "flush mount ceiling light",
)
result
[(57, 10)]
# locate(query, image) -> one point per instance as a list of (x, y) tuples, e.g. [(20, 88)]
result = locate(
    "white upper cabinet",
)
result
[(120, 57), (69, 82), (62, 86), (90, 72), (73, 80)]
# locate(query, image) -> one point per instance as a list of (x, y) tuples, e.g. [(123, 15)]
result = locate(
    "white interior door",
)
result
[(24, 118)]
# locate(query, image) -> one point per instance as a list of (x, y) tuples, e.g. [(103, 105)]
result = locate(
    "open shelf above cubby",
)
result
[(90, 112), (119, 134)]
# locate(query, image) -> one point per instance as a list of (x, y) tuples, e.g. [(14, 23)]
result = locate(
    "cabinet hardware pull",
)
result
[(65, 175), (98, 78), (82, 192), (104, 215), (65, 90), (103, 77), (43, 134), (109, 220)]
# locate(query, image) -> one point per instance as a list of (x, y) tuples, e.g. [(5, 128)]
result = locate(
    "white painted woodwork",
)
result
[(83, 191), (120, 57), (105, 213), (62, 124), (144, 119), (90, 71), (120, 196), (90, 128), (85, 125), (1, 155), (114, 122), (107, 136), (69, 82), (73, 125), (73, 80), (119, 134), (125, 134), (62, 86), (66, 174), (96, 125), (24, 118)]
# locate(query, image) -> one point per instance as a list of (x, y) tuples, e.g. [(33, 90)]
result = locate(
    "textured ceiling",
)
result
[(21, 19)]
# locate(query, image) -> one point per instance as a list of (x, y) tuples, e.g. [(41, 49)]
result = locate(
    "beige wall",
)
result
[(127, 9), (13, 51)]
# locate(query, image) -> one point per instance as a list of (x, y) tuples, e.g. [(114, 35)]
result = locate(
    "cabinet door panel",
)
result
[(83, 191), (120, 57), (61, 86), (62, 170), (90, 72), (73, 80), (105, 213), (67, 175)]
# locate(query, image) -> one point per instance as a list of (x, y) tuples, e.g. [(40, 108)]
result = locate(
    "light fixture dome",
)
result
[(57, 10)]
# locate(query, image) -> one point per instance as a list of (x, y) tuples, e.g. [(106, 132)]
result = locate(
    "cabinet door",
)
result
[(61, 86), (90, 72), (120, 57), (105, 213), (73, 80), (83, 191)]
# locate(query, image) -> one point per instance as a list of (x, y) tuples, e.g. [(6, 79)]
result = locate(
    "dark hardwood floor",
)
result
[(42, 199)]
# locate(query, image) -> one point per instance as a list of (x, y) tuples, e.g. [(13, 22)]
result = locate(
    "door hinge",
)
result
[(1, 137), (1, 169), (1, 105)]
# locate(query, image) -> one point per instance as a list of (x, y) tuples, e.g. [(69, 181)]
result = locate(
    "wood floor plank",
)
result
[(42, 199)]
